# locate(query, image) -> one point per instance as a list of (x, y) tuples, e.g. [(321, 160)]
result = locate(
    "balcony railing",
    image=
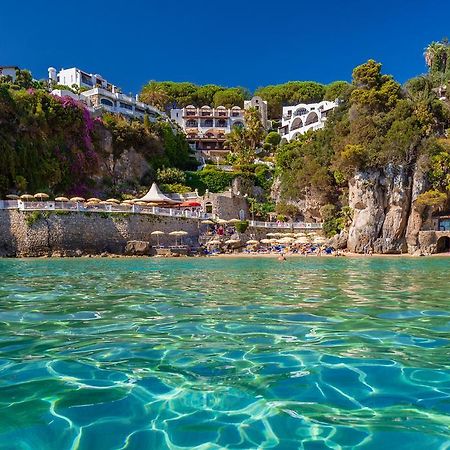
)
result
[(135, 209)]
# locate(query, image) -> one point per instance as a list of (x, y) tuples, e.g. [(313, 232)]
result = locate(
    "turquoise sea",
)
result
[(311, 353)]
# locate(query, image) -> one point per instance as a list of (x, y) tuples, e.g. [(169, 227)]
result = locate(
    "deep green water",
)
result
[(240, 353)]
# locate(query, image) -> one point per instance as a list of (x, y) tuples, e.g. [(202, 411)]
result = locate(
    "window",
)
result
[(106, 102), (126, 106)]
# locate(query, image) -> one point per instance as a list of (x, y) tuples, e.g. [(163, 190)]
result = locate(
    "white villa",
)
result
[(301, 118), (100, 95)]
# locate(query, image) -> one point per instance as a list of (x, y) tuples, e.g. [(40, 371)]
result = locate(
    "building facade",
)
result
[(100, 95), (261, 106), (9, 71), (301, 118), (206, 127)]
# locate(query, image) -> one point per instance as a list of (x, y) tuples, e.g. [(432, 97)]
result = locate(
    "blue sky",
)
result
[(248, 43)]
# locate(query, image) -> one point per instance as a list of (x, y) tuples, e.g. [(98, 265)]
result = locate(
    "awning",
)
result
[(155, 195)]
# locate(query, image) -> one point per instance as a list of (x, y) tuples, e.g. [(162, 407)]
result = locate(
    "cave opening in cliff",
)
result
[(443, 244)]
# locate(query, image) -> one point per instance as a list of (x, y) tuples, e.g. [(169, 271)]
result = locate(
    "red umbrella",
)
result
[(190, 204)]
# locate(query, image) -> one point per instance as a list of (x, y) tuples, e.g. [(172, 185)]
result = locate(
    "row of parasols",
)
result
[(93, 201), (276, 239), (177, 234)]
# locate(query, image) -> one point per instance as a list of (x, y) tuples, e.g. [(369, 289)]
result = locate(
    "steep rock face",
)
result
[(309, 204), (385, 218)]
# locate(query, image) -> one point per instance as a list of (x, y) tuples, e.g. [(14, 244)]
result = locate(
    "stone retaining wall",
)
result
[(56, 233)]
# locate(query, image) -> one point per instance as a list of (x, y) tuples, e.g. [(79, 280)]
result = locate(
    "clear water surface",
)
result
[(234, 354)]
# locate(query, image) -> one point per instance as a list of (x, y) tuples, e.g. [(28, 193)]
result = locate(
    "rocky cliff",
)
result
[(386, 216)]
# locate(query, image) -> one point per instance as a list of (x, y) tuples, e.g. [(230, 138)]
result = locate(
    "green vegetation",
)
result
[(52, 144), (378, 123), (241, 227), (169, 94)]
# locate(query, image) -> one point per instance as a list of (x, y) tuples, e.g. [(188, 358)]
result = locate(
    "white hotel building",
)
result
[(100, 95), (206, 128), (301, 118)]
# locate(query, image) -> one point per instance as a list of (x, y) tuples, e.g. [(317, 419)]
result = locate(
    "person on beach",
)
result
[(281, 257)]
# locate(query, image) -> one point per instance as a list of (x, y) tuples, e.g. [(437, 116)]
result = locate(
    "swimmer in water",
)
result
[(282, 257)]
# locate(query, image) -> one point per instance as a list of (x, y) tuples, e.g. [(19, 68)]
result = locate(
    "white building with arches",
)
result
[(206, 127), (303, 117)]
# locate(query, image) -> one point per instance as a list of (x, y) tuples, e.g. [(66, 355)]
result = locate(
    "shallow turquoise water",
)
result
[(240, 353)]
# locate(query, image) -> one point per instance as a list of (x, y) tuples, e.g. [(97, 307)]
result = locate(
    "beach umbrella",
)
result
[(140, 203), (222, 221), (266, 241), (232, 241), (252, 242), (127, 202), (61, 199), (77, 199), (320, 240), (286, 240), (233, 221), (302, 240), (94, 200), (12, 197), (92, 203), (271, 234), (27, 197), (214, 242), (41, 196), (157, 233), (113, 200), (207, 222), (300, 235), (103, 202), (274, 241), (152, 204)]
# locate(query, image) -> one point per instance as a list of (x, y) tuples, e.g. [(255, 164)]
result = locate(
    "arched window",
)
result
[(106, 102), (312, 118), (296, 123), (300, 112), (208, 207)]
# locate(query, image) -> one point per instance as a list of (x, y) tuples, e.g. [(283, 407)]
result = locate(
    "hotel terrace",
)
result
[(100, 95), (304, 117)]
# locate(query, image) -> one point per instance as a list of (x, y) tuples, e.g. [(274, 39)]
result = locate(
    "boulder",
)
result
[(137, 248)]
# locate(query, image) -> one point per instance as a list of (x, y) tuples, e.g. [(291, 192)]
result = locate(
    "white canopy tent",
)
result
[(155, 195)]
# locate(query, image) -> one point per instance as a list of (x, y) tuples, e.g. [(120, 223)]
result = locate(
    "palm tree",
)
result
[(436, 56)]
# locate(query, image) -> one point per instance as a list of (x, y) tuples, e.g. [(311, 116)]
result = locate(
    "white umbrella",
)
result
[(266, 241), (232, 241), (233, 221), (286, 240), (27, 197), (222, 221), (77, 199), (252, 242), (207, 222), (12, 197), (302, 240), (41, 196), (61, 199), (319, 240), (271, 234), (157, 233), (214, 242)]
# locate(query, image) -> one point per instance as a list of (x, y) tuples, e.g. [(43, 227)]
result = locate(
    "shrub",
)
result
[(432, 198), (241, 227), (33, 217), (170, 175)]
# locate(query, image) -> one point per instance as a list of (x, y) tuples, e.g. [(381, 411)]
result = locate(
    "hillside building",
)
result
[(100, 95), (303, 117)]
